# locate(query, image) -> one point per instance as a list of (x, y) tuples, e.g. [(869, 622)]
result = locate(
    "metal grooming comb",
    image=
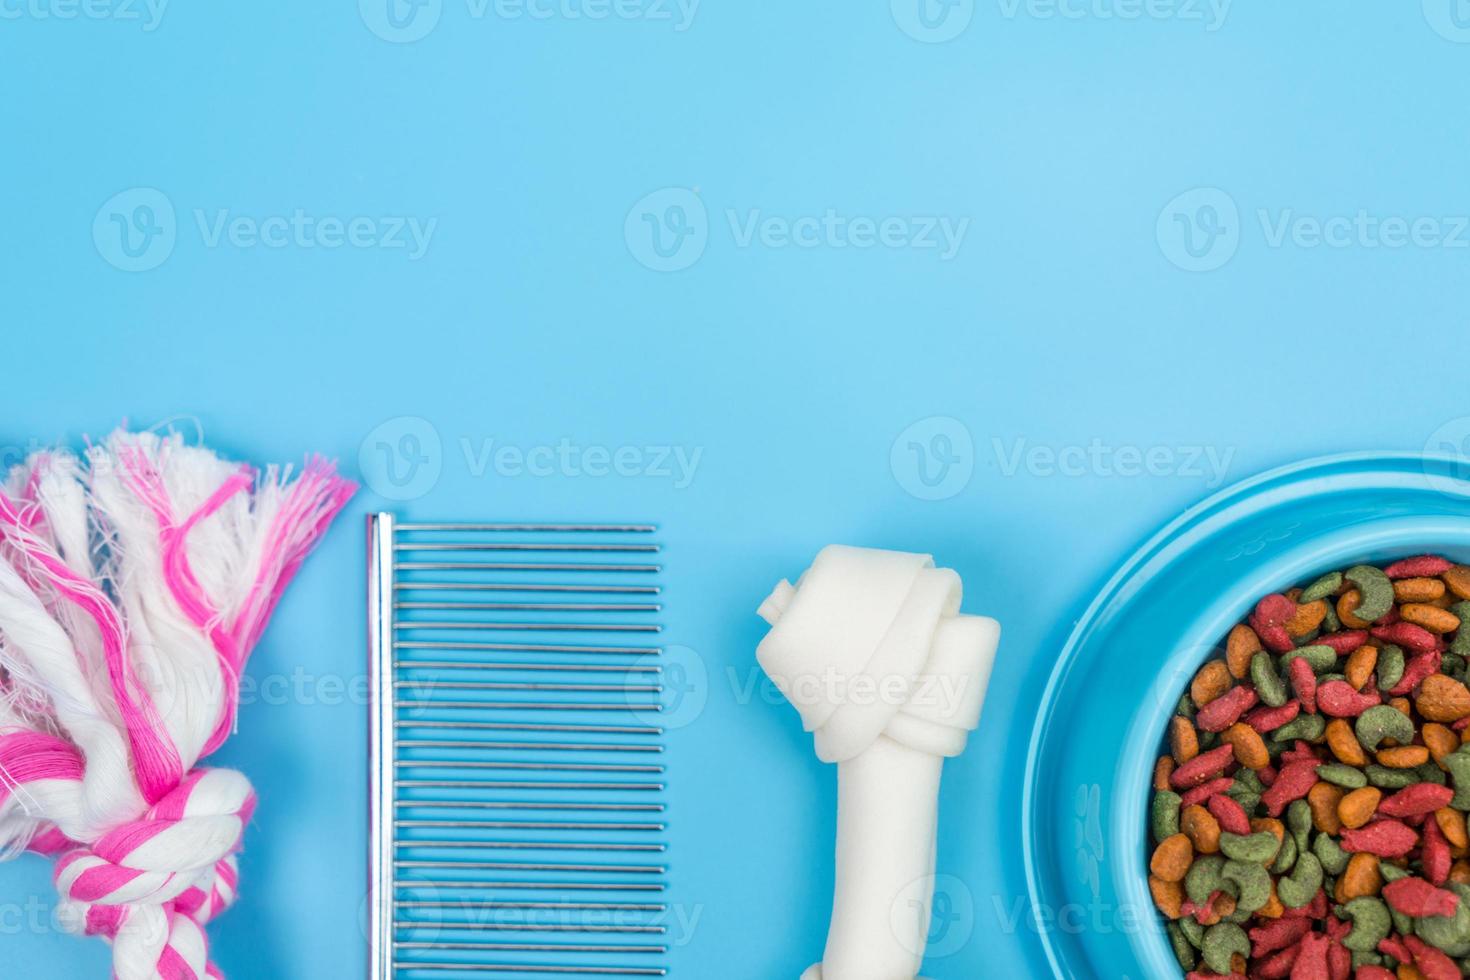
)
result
[(517, 791)]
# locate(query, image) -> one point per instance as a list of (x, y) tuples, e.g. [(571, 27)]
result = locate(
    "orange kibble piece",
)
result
[(1168, 896), (1172, 858), (1273, 909), (1212, 680), (1440, 741), (1403, 756), (1276, 827), (1359, 878), (1308, 617), (1323, 798), (1432, 618), (1418, 589), (1452, 825), (1460, 872), (1201, 828), (1357, 807), (1407, 971), (1402, 704), (1183, 739), (1240, 647), (1250, 748), (1344, 743), (1360, 666), (1163, 769), (1458, 581), (1443, 698), (1346, 603)]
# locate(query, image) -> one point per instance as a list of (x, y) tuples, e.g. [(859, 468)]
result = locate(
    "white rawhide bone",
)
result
[(871, 649)]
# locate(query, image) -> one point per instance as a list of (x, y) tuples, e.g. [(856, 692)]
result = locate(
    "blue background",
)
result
[(1064, 320)]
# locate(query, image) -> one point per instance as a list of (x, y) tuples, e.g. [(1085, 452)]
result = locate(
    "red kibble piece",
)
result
[(1338, 699), (1300, 751), (1303, 683), (1311, 961), (1268, 620), (1337, 928), (1407, 635), (1417, 897), (1416, 800), (1266, 719), (1314, 910), (1370, 972), (1384, 838), (1206, 911), (1423, 566), (1344, 642), (1420, 666), (1225, 710), (1277, 934), (1203, 767), (1278, 965), (1461, 725), (1434, 854), (1267, 775), (1394, 946), (1433, 963), (1201, 794), (1292, 783), (1231, 815), (1339, 961)]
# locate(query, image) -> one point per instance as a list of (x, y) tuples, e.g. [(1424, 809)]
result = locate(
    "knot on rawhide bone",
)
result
[(871, 649), (152, 883)]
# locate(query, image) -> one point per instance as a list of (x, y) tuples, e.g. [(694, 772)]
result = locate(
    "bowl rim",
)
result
[(1435, 466)]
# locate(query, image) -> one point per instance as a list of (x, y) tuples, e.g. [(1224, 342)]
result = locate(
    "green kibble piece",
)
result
[(1248, 779), (1222, 941), (1430, 772), (1450, 933), (1193, 931), (1306, 727), (1258, 848), (1453, 663), (1183, 950), (1185, 707), (1382, 721), (1371, 923), (1330, 622), (1333, 858), (1165, 812), (1208, 740), (1391, 872), (1390, 667), (1376, 590), (1368, 959), (1270, 688), (1322, 588), (1321, 657), (1298, 888), (1460, 646), (1458, 763), (1385, 778), (1203, 878), (1299, 822), (1285, 857), (1341, 775), (1253, 882)]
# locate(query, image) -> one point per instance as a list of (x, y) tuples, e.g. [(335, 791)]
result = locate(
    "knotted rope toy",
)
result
[(134, 582)]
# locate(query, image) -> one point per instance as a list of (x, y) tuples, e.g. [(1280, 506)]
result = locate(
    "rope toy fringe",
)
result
[(134, 582)]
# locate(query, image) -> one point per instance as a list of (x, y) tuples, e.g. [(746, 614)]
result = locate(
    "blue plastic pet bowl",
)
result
[(1101, 720)]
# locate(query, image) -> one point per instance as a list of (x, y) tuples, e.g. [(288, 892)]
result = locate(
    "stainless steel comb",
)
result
[(517, 812)]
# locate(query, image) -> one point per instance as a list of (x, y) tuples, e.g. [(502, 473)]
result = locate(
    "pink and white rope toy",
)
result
[(134, 582)]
